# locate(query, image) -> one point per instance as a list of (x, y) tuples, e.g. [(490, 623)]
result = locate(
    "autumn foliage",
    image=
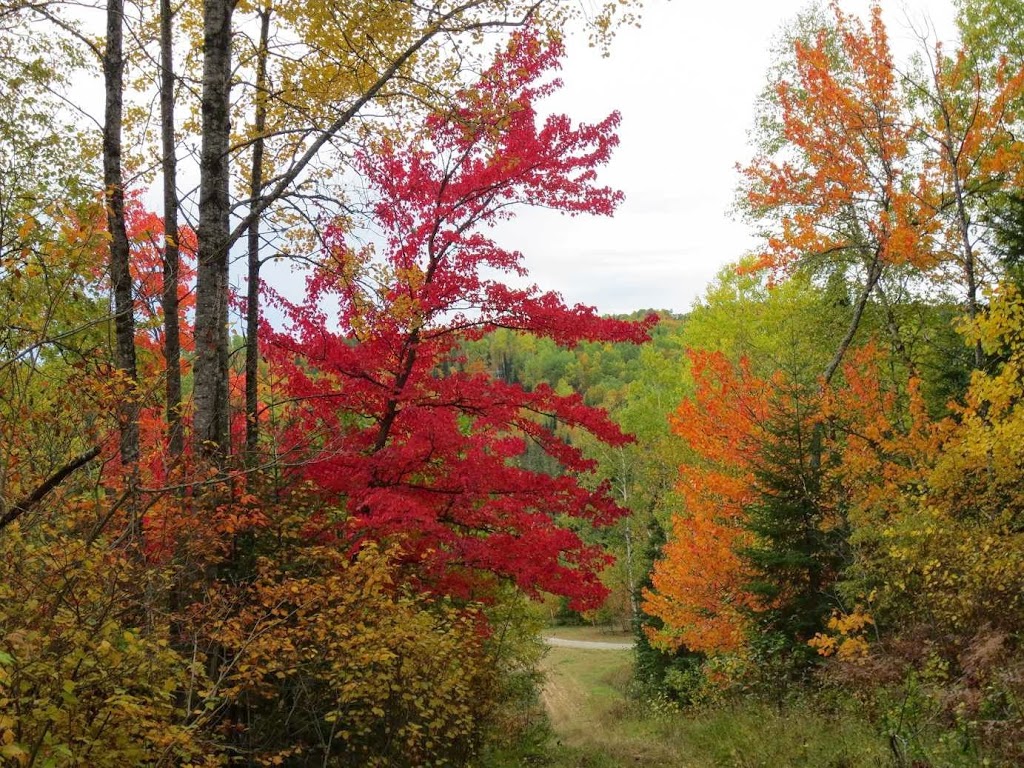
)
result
[(851, 516), (828, 502), (411, 446), (329, 596), (699, 587), (845, 183)]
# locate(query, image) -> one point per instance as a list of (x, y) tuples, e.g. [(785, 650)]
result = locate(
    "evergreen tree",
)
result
[(1007, 222), (676, 672), (800, 537)]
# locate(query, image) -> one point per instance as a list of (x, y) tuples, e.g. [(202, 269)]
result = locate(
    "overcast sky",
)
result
[(685, 83)]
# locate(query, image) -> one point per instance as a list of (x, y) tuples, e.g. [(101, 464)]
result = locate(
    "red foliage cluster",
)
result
[(382, 416)]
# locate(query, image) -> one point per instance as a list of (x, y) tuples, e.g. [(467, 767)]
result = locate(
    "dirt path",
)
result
[(591, 645), (565, 699), (576, 693), (586, 698)]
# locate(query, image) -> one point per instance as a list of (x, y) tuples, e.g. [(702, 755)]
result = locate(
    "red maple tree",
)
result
[(383, 419)]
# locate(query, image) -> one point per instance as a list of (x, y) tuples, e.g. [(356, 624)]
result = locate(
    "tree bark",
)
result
[(894, 333), (964, 230), (54, 480), (169, 297), (875, 268), (631, 585), (210, 397), (952, 148), (874, 273), (211, 328), (120, 274), (252, 304)]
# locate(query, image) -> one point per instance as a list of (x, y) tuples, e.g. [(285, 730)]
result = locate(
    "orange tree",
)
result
[(835, 190), (699, 585)]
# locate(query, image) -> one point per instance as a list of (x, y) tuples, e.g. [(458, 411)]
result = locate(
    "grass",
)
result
[(586, 700), (596, 725), (592, 722), (584, 688)]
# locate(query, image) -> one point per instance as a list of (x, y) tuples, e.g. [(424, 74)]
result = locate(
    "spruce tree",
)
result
[(800, 538)]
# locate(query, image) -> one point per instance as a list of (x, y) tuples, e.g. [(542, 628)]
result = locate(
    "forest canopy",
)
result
[(243, 524)]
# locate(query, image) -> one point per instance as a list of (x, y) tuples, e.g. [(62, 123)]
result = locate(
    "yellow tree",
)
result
[(955, 554)]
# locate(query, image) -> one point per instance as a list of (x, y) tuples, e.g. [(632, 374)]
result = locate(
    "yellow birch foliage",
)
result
[(336, 661), (938, 509), (81, 684), (846, 637)]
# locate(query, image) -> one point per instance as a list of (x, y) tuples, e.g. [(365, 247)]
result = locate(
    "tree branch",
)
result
[(58, 477)]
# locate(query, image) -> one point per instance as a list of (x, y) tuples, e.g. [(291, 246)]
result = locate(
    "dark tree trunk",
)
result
[(874, 273), (210, 394), (169, 298), (29, 502), (252, 304), (211, 330), (120, 275)]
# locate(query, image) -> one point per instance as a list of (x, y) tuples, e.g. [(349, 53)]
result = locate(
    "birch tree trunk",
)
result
[(211, 329), (120, 275), (169, 297)]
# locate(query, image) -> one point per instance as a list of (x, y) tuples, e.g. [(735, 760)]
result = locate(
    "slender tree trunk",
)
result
[(252, 304), (874, 273), (8, 516), (169, 297), (211, 328), (875, 268), (964, 230), (634, 596), (120, 275), (634, 601), (894, 333), (949, 147), (210, 396)]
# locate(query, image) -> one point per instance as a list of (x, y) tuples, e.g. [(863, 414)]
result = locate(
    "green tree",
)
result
[(800, 535)]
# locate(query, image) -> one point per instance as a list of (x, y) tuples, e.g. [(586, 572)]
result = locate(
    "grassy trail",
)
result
[(585, 696), (596, 725)]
